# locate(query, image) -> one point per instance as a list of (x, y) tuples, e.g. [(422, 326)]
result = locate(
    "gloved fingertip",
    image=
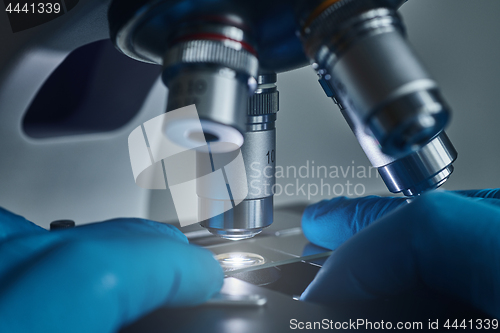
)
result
[(166, 229), (217, 276), (490, 201), (485, 193), (202, 267), (329, 223), (128, 226), (313, 225), (12, 224), (315, 291), (305, 294)]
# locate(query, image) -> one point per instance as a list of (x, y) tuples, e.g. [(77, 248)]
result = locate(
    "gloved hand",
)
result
[(442, 241), (97, 277)]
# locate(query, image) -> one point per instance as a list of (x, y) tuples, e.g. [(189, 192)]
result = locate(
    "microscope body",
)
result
[(358, 49), (213, 53)]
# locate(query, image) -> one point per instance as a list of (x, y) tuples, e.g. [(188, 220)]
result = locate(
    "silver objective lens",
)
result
[(361, 49), (212, 66), (390, 103), (208, 61), (253, 214), (420, 171)]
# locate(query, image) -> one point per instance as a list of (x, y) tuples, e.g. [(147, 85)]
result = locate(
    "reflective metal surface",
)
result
[(245, 220), (391, 104), (360, 47), (211, 65), (255, 213), (220, 98), (423, 170), (420, 171)]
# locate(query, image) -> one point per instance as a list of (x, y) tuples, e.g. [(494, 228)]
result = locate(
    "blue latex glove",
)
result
[(444, 241), (97, 277)]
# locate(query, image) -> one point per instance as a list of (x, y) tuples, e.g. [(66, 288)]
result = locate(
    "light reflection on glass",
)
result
[(239, 259)]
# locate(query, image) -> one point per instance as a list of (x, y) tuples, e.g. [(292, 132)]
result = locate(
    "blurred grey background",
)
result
[(89, 178)]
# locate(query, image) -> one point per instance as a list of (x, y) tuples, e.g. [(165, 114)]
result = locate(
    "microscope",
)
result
[(224, 56)]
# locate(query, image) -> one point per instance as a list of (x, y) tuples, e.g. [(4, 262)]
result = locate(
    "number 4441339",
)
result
[(38, 8)]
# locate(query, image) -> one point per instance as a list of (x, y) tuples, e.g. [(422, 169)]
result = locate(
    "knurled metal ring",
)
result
[(343, 20), (337, 13), (261, 104), (212, 52)]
